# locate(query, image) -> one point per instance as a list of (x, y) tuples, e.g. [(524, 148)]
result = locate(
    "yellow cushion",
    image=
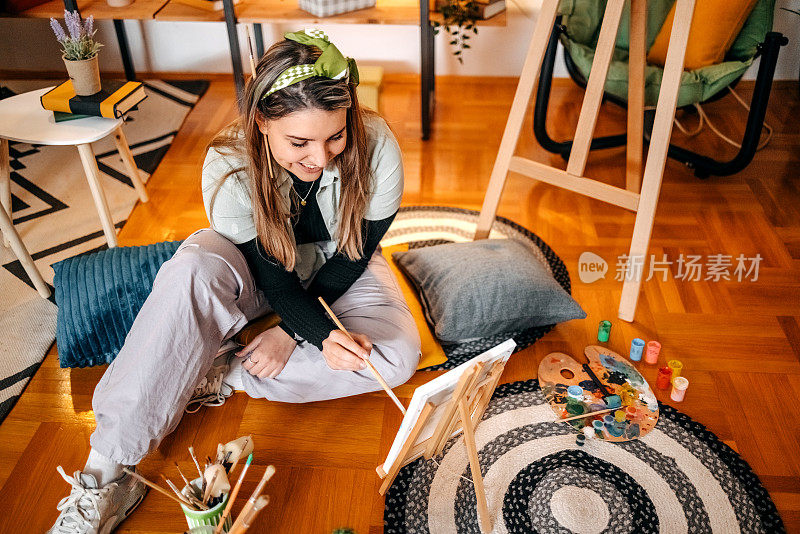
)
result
[(715, 25), (432, 353)]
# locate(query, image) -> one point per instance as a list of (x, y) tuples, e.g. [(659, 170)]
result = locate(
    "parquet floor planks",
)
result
[(739, 341)]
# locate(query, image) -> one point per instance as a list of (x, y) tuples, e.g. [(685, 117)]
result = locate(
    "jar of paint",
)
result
[(603, 331), (619, 416), (676, 367), (575, 404), (632, 414), (637, 346), (664, 377), (612, 426), (679, 385), (653, 350), (598, 426)]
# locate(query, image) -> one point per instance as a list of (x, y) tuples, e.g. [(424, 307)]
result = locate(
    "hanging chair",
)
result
[(577, 29)]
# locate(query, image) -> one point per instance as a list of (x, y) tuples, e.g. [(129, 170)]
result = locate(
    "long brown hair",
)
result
[(243, 139)]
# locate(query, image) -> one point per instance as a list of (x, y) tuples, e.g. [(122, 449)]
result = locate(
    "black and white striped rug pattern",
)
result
[(423, 226), (54, 214), (678, 479)]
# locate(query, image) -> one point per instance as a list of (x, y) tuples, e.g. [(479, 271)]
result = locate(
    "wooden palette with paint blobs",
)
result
[(558, 371)]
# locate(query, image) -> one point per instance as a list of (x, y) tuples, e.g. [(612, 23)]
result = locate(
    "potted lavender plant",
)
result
[(79, 52)]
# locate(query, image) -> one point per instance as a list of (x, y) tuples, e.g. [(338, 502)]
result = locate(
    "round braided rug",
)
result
[(424, 226), (679, 478)]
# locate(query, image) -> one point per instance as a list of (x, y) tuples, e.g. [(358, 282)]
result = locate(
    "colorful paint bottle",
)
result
[(679, 385), (664, 377), (575, 404), (603, 331), (676, 367), (632, 414), (588, 432), (619, 416), (653, 350), (637, 346), (598, 426), (580, 440)]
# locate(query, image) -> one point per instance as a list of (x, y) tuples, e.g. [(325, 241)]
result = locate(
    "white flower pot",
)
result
[(85, 75)]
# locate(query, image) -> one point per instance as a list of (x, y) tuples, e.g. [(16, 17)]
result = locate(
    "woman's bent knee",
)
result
[(403, 355)]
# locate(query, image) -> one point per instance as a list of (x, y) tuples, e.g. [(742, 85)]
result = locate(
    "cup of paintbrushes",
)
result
[(210, 517)]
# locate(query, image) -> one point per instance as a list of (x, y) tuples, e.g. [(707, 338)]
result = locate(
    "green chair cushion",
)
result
[(582, 19)]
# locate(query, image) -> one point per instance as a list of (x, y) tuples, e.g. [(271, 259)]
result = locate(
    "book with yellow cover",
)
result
[(114, 99)]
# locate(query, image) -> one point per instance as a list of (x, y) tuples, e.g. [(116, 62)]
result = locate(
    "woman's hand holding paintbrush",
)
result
[(375, 372)]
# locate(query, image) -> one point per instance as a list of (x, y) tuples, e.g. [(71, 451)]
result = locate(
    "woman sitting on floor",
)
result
[(299, 191)]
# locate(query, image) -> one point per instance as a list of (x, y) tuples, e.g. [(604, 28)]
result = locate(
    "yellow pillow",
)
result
[(715, 25), (432, 353)]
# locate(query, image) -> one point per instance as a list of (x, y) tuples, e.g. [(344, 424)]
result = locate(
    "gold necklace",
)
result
[(303, 199)]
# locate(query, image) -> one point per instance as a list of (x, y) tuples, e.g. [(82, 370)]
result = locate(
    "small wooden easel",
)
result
[(643, 202), (462, 410)]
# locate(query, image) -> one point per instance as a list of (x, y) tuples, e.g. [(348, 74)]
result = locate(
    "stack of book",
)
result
[(486, 8), (114, 100)]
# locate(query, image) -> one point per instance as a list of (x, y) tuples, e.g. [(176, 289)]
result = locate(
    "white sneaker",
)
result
[(92, 510), (212, 390)]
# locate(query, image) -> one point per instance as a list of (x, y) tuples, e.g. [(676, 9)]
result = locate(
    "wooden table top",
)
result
[(404, 12), (137, 10)]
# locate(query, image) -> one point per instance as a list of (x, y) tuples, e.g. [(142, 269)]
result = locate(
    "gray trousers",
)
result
[(203, 296)]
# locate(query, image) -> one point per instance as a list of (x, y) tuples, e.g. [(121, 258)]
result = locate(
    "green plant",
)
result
[(459, 23), (80, 43)]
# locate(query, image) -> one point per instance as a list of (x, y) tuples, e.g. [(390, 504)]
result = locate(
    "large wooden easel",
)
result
[(463, 410), (643, 201)]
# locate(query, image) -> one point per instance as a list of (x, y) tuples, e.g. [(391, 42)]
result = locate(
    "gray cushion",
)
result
[(485, 287)]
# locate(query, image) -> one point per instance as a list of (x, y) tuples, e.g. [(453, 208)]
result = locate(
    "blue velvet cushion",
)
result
[(486, 287), (98, 296)]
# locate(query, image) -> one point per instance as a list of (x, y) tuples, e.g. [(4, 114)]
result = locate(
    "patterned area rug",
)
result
[(423, 226), (56, 218), (679, 478)]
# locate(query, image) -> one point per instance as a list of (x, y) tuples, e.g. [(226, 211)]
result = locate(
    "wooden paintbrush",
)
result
[(233, 495), (245, 520), (590, 414), (251, 502), (154, 486), (375, 372), (196, 463)]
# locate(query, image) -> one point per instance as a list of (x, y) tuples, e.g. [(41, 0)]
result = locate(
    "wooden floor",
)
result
[(739, 341)]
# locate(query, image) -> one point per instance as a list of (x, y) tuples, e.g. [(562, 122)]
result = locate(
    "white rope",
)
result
[(705, 119)]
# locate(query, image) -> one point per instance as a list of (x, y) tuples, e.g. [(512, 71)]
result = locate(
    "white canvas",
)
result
[(437, 392)]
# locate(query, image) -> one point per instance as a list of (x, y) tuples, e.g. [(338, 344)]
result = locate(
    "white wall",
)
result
[(28, 44)]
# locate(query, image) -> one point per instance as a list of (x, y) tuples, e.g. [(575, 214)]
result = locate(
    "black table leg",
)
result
[(427, 100), (236, 54), (259, 40), (124, 49)]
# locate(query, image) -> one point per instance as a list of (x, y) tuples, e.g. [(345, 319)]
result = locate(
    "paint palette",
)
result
[(638, 413)]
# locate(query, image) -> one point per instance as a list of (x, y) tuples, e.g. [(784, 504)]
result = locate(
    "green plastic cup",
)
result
[(210, 517)]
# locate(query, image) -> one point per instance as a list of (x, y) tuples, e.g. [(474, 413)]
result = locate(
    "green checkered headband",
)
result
[(330, 64)]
